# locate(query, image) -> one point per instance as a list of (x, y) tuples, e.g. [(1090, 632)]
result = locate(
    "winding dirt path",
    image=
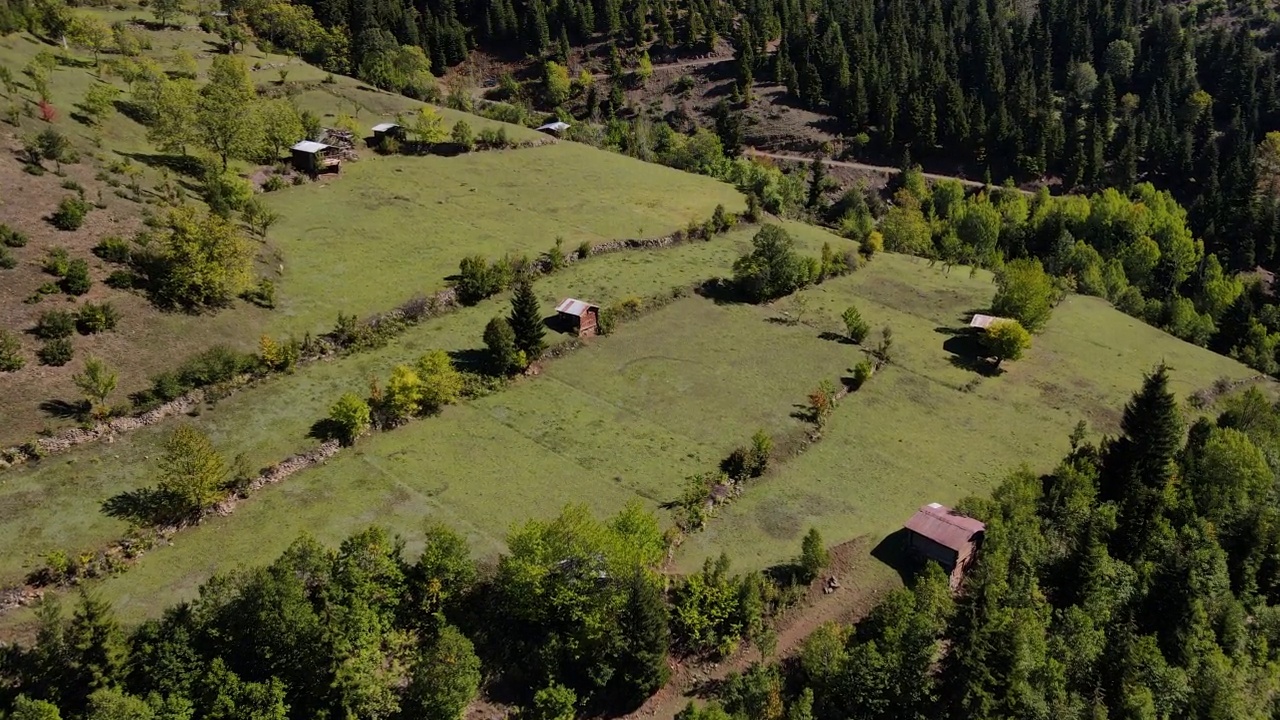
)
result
[(863, 167)]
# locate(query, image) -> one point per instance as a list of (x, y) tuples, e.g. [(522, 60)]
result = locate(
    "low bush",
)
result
[(56, 261), (97, 317), (123, 280), (113, 249), (70, 213), (7, 260), (215, 365), (76, 281), (10, 352), (55, 353), (263, 294), (55, 325), (12, 238), (273, 183), (861, 373)]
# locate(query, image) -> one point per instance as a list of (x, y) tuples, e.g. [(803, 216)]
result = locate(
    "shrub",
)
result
[(1006, 340), (862, 373), (7, 260), (76, 280), (54, 325), (55, 353), (477, 279), (56, 261), (351, 417), (584, 250), (113, 249), (12, 238), (463, 136), (273, 183), (856, 326), (494, 138), (813, 554), (263, 294), (10, 352), (872, 245), (122, 280), (97, 317), (70, 213)]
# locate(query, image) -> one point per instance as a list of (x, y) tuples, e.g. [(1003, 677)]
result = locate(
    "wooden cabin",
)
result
[(946, 537), (314, 158), (382, 131), (581, 316)]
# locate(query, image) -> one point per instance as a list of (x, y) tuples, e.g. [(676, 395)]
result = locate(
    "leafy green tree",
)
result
[(172, 107), (225, 113), (428, 126), (352, 417), (526, 321), (772, 269), (97, 382), (904, 227), (112, 704), (99, 102), (855, 325), (404, 393), (90, 33), (258, 216), (979, 228), (281, 127), (445, 678), (503, 353), (204, 261), (53, 145), (25, 708), (1025, 293), (442, 576), (554, 702), (558, 86), (1006, 340), (463, 136), (813, 553), (166, 10), (192, 472), (441, 381)]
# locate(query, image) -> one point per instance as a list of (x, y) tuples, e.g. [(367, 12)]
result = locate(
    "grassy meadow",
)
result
[(631, 415)]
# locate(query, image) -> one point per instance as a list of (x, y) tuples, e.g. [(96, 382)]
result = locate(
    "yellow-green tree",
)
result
[(90, 33), (403, 396), (352, 417), (97, 382), (441, 381), (557, 81), (428, 126), (204, 260), (191, 471), (281, 127), (1006, 340)]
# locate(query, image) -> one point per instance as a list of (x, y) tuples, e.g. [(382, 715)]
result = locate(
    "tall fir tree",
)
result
[(526, 321), (642, 669)]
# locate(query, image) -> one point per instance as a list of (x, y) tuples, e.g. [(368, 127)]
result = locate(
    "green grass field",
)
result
[(54, 504), (668, 396), (392, 226)]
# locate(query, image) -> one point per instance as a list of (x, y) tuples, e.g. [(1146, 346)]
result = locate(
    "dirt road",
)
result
[(863, 167), (682, 65), (856, 596)]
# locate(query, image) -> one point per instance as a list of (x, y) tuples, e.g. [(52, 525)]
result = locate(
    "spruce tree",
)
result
[(1138, 466), (96, 648), (642, 667), (526, 321)]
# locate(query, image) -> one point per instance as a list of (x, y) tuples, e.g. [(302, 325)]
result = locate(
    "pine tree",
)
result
[(642, 668), (526, 321), (817, 178), (96, 649), (1138, 466)]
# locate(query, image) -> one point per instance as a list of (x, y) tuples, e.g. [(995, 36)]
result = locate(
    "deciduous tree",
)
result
[(225, 111), (352, 417), (204, 261), (191, 470), (97, 382), (1025, 293), (441, 381), (1006, 340)]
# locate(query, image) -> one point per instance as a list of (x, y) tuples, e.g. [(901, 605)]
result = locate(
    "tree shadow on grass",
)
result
[(144, 506), (326, 429), (836, 337), (64, 409), (967, 354), (721, 291), (475, 360), (185, 165)]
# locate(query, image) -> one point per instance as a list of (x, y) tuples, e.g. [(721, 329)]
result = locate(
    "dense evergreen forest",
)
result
[(1137, 580)]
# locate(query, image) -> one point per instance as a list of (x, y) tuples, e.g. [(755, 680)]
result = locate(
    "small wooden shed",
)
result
[(940, 534), (580, 315), (382, 131), (314, 157), (984, 322)]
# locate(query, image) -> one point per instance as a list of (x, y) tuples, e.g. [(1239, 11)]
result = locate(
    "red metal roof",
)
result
[(944, 526)]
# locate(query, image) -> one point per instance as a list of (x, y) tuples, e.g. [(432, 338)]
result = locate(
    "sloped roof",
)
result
[(575, 307), (985, 321), (944, 526), (309, 146), (556, 126), (383, 127)]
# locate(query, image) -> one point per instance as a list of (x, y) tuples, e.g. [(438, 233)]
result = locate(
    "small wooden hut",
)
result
[(314, 158), (581, 316), (382, 131), (946, 537)]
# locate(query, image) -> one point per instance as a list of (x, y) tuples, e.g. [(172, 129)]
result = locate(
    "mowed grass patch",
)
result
[(55, 504), (393, 226), (925, 430), (626, 418)]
